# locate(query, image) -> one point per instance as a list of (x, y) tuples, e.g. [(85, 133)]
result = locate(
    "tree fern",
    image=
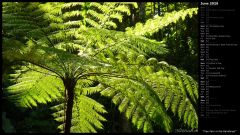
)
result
[(39, 86), (66, 58), (56, 64)]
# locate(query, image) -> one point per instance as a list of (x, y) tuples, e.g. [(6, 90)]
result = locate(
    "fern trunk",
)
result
[(69, 85)]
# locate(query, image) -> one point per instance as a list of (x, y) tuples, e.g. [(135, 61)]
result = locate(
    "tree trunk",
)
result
[(125, 125), (132, 17), (151, 8), (142, 6), (154, 9), (159, 9), (69, 85)]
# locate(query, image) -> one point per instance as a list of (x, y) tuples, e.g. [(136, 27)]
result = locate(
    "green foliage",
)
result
[(87, 115), (105, 15), (154, 25), (138, 104), (59, 51), (98, 41), (34, 85), (20, 25), (93, 14), (154, 88)]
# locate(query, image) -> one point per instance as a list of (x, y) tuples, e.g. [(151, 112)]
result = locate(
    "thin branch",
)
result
[(41, 72), (44, 67)]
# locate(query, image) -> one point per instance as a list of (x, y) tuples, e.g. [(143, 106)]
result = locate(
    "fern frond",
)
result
[(17, 23), (89, 111), (96, 15), (60, 62), (123, 8), (132, 98), (85, 87), (52, 10), (175, 94), (165, 88), (117, 16), (108, 12), (86, 115), (118, 41), (33, 87), (72, 14), (72, 4), (154, 25)]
